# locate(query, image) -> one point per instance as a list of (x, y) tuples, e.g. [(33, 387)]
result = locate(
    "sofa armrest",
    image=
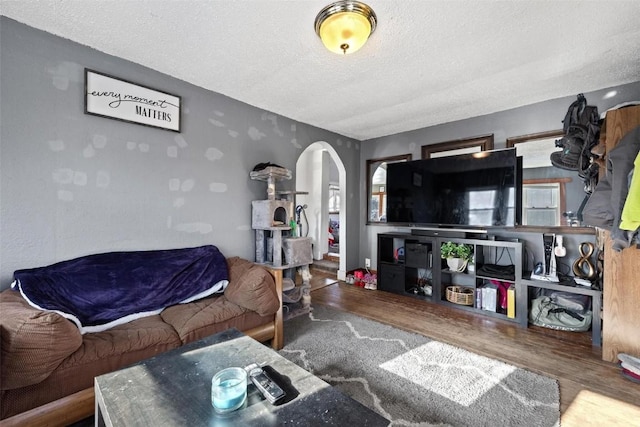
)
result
[(278, 336), (34, 342), (254, 290)]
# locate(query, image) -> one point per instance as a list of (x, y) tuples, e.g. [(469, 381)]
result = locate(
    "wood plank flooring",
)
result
[(592, 391)]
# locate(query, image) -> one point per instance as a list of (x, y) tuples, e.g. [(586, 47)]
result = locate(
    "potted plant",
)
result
[(457, 255)]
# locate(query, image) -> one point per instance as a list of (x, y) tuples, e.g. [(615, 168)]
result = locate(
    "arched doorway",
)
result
[(314, 175)]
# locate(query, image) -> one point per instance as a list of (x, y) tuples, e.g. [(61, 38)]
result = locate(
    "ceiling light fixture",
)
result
[(344, 26)]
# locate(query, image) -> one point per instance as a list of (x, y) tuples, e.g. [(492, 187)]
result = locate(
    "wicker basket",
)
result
[(460, 295)]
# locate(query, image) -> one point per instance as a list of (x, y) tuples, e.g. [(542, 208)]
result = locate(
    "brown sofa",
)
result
[(46, 361)]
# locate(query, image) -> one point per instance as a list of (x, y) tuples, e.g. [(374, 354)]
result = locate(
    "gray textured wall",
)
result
[(540, 117), (73, 184)]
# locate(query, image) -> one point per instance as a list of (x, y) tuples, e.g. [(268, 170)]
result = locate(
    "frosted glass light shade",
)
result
[(345, 32), (345, 26)]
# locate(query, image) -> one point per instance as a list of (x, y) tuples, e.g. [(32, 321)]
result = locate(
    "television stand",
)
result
[(410, 264)]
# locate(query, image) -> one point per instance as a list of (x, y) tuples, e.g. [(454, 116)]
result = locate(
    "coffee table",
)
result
[(174, 389)]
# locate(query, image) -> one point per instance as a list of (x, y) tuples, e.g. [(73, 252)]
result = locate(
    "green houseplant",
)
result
[(458, 255)]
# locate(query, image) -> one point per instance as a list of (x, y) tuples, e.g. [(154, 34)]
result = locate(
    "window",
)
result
[(459, 146), (550, 196), (334, 198), (540, 204), (377, 186)]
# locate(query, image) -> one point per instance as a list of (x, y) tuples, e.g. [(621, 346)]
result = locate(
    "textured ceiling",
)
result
[(429, 62)]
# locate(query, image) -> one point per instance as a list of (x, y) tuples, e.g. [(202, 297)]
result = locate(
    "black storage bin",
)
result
[(391, 278), (417, 255)]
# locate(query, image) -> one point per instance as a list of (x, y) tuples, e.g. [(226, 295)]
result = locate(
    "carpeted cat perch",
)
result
[(297, 299)]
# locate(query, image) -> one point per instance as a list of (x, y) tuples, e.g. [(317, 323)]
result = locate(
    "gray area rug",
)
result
[(413, 380)]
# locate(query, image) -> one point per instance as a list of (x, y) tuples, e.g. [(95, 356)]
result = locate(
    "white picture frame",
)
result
[(114, 98)]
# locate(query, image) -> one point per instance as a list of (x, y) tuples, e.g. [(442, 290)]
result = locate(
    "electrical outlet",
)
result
[(367, 263)]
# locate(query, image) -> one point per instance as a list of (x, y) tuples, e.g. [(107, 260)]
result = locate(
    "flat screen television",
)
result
[(469, 190)]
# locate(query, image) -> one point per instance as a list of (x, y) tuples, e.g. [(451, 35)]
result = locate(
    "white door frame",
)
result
[(303, 179)]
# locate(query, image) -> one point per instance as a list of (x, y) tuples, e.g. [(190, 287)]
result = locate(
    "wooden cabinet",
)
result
[(621, 281)]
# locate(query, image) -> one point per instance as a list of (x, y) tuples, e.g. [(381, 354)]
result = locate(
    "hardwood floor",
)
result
[(592, 391)]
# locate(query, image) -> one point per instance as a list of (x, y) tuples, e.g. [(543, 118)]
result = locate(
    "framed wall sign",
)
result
[(107, 96)]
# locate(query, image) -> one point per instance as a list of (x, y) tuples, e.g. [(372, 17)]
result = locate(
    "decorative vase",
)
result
[(456, 264)]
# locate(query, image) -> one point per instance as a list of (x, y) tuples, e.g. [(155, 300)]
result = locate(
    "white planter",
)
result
[(456, 264)]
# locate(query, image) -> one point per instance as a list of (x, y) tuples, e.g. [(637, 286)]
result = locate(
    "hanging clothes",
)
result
[(631, 211), (604, 207)]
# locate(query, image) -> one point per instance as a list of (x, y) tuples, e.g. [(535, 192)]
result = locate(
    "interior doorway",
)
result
[(321, 173)]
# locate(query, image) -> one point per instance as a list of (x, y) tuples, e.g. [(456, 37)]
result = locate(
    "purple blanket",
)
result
[(100, 291)]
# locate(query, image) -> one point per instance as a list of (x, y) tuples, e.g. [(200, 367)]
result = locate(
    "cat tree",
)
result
[(271, 218)]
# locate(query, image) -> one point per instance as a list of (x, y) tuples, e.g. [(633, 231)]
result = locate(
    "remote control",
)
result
[(269, 389)]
